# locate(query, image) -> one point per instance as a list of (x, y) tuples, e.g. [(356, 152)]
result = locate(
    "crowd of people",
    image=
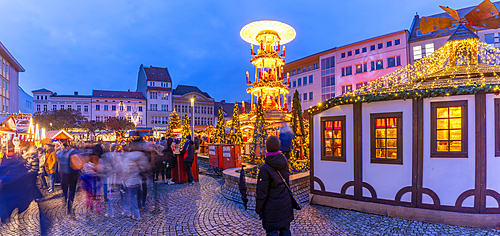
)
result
[(97, 169)]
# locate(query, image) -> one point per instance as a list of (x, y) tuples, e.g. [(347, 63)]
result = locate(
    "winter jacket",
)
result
[(168, 153), (273, 201), (32, 163), (286, 136), (190, 149), (50, 162)]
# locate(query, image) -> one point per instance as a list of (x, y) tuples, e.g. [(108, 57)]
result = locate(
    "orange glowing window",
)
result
[(333, 138), (449, 132), (386, 138)]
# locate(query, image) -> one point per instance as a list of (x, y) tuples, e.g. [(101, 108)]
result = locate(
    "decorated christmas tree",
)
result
[(236, 135), (258, 146), (298, 147), (220, 133), (185, 129), (174, 123)]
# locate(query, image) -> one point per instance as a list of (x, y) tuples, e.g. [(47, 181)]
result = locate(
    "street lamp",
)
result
[(192, 117)]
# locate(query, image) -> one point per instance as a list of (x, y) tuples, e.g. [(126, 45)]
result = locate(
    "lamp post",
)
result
[(192, 118)]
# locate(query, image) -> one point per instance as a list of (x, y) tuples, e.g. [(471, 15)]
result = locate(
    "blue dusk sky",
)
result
[(74, 45)]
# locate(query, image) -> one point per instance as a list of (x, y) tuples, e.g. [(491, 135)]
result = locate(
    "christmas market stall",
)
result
[(422, 143), (56, 135)]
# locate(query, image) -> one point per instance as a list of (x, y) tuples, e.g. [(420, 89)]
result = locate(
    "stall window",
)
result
[(449, 129), (497, 127), (386, 138), (333, 138)]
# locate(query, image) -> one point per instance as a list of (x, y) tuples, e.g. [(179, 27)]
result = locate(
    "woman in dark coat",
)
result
[(274, 203)]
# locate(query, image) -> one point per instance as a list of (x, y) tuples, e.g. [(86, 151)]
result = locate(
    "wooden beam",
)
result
[(417, 155), (480, 179), (358, 151)]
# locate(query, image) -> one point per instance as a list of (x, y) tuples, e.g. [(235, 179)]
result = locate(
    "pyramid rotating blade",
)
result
[(483, 11), (490, 22), (451, 12), (430, 24), (470, 28)]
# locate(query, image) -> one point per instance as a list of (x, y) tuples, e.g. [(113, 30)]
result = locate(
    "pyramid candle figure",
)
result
[(270, 37)]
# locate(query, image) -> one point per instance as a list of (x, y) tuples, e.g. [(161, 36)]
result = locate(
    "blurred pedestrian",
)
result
[(41, 171), (134, 163), (286, 137), (273, 200), (50, 165), (69, 175), (188, 152)]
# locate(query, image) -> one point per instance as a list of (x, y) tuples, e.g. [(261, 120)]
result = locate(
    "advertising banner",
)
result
[(22, 122)]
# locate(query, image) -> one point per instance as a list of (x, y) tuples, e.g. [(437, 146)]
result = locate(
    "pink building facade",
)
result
[(359, 63)]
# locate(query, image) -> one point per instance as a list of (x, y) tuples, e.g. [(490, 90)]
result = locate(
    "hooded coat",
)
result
[(189, 147), (273, 202)]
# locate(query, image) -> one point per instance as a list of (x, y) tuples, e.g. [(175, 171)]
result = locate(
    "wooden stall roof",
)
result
[(58, 134)]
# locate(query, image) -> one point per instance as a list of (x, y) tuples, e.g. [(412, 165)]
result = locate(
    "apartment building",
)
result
[(121, 104), (9, 87), (203, 105), (358, 63), (421, 45), (45, 100), (156, 86)]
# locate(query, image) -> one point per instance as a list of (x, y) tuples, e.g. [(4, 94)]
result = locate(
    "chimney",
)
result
[(76, 92), (223, 101), (128, 90)]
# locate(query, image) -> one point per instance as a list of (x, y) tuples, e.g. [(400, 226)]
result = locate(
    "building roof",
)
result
[(415, 36), (43, 90), (185, 89), (157, 74), (462, 32), (11, 58), (117, 94)]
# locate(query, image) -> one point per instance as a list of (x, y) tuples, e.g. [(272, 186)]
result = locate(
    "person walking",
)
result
[(273, 199), (189, 158), (69, 176), (50, 165), (286, 137), (134, 162), (169, 161)]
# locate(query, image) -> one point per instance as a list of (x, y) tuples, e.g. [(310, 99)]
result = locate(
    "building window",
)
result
[(393, 61), (69, 107), (62, 107), (359, 85), (310, 96), (429, 49), (346, 70), (164, 107), (363, 50), (333, 138), (299, 82), (389, 44), (129, 108), (140, 108), (397, 41), (356, 51), (299, 70), (490, 39), (113, 107), (153, 107), (97, 107), (349, 53), (310, 67), (86, 109), (380, 46), (164, 96), (372, 47), (417, 52), (304, 80), (79, 108), (293, 72), (294, 83), (305, 97), (37, 107), (386, 138), (54, 107), (342, 55), (379, 64), (310, 79), (121, 107), (359, 68), (105, 107), (449, 129), (365, 67), (346, 89), (153, 95)]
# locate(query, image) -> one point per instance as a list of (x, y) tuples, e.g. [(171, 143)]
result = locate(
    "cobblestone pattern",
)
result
[(231, 190), (200, 209)]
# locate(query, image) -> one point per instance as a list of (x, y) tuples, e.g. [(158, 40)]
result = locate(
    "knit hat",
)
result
[(272, 144)]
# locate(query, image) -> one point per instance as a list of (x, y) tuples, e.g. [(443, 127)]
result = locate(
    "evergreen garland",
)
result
[(300, 134), (236, 135), (174, 122), (259, 134), (220, 133), (185, 130)]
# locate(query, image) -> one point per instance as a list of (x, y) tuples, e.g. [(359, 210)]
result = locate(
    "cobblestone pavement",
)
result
[(201, 210)]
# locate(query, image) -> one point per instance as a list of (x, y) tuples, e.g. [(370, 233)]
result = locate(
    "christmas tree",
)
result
[(298, 146), (220, 133), (236, 135), (174, 123), (259, 134), (185, 129)]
